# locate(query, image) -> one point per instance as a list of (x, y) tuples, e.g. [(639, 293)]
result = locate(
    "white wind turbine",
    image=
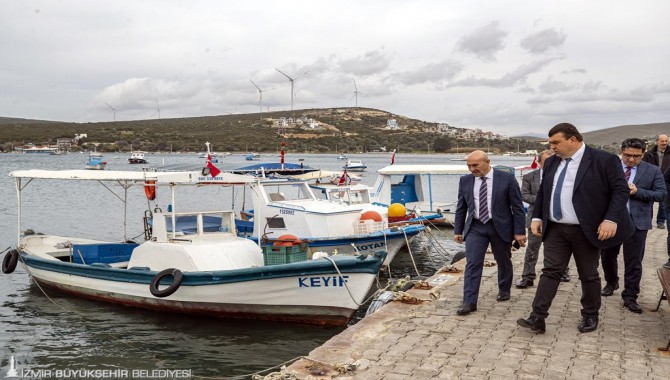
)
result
[(158, 110), (113, 110), (260, 93), (356, 92), (292, 80)]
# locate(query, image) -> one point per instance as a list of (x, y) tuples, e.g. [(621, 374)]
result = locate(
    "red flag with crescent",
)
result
[(393, 157), (213, 170), (343, 179), (534, 165)]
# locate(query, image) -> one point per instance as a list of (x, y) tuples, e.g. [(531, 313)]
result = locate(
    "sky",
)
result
[(511, 67)]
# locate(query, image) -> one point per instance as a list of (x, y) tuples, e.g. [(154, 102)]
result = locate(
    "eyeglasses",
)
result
[(628, 156)]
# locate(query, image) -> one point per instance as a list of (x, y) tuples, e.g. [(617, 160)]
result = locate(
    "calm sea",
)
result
[(51, 334)]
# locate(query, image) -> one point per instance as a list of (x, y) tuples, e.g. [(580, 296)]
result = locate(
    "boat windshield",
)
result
[(200, 223), (349, 196)]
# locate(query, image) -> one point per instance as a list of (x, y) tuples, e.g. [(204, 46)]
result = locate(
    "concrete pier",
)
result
[(429, 340)]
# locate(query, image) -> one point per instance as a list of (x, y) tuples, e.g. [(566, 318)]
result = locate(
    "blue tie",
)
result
[(558, 215)]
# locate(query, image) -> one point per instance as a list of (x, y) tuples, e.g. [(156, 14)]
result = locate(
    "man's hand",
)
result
[(606, 230), (521, 239), (458, 239), (633, 188), (536, 227)]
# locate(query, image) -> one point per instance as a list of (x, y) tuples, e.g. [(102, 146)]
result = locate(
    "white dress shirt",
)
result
[(567, 208)]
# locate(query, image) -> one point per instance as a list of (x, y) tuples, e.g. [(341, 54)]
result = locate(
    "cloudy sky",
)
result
[(502, 65)]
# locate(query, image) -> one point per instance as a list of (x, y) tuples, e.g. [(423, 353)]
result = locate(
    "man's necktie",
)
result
[(483, 202), (558, 214), (628, 172)]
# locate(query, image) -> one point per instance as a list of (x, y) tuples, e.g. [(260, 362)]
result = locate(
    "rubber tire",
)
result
[(176, 282), (10, 261)]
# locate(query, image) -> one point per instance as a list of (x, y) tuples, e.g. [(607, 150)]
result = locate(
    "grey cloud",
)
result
[(372, 62), (432, 72), (542, 41), (551, 86), (508, 80), (484, 42), (539, 100), (574, 71)]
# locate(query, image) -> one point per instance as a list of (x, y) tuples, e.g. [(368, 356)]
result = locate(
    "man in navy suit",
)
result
[(489, 211), (580, 208), (646, 187)]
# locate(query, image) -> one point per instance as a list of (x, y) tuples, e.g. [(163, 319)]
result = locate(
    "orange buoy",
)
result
[(150, 190), (371, 215), (287, 240)]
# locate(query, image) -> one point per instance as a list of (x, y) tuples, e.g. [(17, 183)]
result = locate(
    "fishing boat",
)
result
[(290, 207), (251, 156), (95, 162), (424, 189), (137, 157), (354, 166), (342, 157), (199, 266)]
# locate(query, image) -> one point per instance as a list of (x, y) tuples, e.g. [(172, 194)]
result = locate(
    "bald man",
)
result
[(489, 211)]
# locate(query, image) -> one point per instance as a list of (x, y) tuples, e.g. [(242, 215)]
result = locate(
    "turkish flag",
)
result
[(213, 170), (534, 165), (343, 179), (393, 157)]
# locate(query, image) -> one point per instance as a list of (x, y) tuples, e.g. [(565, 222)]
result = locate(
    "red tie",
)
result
[(627, 173)]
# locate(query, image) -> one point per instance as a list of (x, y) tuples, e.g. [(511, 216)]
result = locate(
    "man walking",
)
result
[(530, 183), (489, 211), (659, 155), (580, 208), (646, 187)]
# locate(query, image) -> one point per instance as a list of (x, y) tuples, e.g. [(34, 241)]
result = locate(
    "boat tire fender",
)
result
[(178, 277), (150, 190), (10, 261)]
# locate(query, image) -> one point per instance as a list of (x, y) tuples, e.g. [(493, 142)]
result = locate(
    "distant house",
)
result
[(392, 124)]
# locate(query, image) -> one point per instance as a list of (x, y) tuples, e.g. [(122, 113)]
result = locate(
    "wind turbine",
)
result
[(158, 110), (113, 110), (260, 93), (356, 92), (292, 80)]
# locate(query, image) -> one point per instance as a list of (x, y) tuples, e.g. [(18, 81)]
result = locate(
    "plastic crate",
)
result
[(275, 255), (363, 227)]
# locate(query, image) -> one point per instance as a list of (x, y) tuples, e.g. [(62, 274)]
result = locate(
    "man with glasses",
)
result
[(646, 187), (659, 155)]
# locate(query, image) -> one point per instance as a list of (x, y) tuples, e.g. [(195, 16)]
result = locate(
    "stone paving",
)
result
[(429, 340)]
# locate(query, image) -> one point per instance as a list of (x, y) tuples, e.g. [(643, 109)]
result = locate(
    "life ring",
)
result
[(150, 190), (10, 261), (178, 277)]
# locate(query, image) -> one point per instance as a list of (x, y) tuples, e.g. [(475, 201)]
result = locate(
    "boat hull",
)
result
[(307, 292)]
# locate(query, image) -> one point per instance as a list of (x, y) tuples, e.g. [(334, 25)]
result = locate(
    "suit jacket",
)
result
[(600, 193), (650, 188), (530, 185), (506, 207)]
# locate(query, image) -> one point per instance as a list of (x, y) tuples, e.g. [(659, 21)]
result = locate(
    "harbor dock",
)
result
[(429, 340)]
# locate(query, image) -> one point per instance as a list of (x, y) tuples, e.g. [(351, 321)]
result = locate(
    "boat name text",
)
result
[(286, 211), (370, 246), (322, 281)]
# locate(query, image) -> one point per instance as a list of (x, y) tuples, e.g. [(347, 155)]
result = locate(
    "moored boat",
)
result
[(137, 157)]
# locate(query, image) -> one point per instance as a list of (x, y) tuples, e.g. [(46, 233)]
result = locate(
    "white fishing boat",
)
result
[(290, 207), (137, 157), (200, 266), (342, 157), (354, 166), (95, 162)]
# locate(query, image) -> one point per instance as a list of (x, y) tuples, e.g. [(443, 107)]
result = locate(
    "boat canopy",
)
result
[(424, 169), (134, 176)]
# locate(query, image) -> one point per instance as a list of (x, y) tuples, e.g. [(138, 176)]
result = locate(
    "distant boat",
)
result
[(342, 157), (137, 157), (95, 162), (251, 156), (355, 166)]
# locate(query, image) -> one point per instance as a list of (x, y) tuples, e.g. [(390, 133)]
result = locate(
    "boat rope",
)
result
[(409, 249), (346, 286), (441, 251), (5, 250)]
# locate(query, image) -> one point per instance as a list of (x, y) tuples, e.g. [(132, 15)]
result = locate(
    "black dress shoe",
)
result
[(524, 283), (565, 277), (633, 306), (502, 296), (588, 324), (467, 308), (609, 289), (534, 323)]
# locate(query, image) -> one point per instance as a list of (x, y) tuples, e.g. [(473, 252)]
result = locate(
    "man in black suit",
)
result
[(580, 208), (646, 187), (489, 211)]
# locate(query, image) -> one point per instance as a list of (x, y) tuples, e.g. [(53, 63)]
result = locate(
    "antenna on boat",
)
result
[(113, 110), (292, 84)]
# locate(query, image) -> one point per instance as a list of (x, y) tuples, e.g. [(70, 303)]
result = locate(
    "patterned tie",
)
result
[(627, 173), (483, 202), (558, 214)]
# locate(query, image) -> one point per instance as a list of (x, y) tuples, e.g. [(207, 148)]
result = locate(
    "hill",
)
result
[(313, 130), (614, 136)]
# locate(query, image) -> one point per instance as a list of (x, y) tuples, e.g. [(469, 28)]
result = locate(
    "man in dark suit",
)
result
[(646, 187), (580, 208), (659, 155), (530, 184), (489, 211)]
